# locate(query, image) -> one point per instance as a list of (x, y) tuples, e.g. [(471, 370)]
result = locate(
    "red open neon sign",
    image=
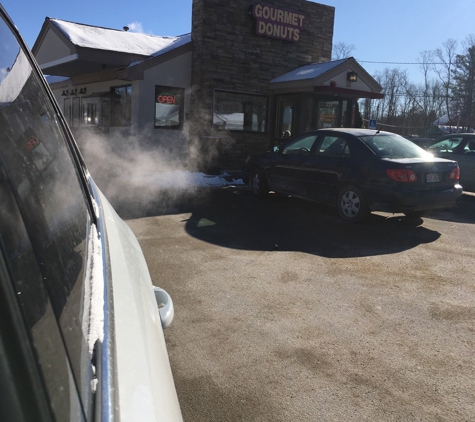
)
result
[(32, 143), (166, 99)]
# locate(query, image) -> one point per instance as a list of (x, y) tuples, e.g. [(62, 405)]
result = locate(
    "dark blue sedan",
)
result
[(358, 171)]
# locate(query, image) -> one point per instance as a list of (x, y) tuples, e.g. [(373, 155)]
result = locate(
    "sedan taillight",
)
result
[(455, 174), (402, 175)]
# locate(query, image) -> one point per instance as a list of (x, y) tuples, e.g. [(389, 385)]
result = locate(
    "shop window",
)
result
[(240, 111), (344, 115), (105, 113), (89, 114), (328, 114), (67, 110), (76, 112), (169, 103), (121, 106)]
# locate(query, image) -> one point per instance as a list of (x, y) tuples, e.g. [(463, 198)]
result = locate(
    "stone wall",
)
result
[(228, 55)]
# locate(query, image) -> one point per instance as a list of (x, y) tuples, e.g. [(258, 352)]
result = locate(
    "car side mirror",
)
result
[(165, 306)]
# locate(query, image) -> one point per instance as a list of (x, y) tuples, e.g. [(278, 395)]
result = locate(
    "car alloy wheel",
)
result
[(352, 204)]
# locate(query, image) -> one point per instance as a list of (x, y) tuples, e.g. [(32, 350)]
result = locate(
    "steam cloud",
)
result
[(136, 27), (139, 176)]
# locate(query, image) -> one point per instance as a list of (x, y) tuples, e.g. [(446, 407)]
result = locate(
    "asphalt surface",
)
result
[(283, 312)]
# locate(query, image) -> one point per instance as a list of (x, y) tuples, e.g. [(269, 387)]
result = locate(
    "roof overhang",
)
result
[(136, 71), (51, 68), (329, 78), (346, 92), (85, 61)]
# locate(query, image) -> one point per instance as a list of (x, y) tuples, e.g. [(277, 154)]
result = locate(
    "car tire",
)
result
[(259, 184), (352, 205)]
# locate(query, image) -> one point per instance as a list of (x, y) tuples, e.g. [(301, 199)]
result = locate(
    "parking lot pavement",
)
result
[(283, 312)]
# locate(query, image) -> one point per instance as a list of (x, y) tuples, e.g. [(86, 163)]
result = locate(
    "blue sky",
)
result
[(382, 31)]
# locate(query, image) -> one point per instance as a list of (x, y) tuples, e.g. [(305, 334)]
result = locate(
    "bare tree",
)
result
[(429, 87), (410, 108), (393, 81), (446, 56), (342, 50)]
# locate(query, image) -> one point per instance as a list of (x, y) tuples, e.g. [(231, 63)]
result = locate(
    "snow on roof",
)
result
[(178, 42), (441, 120), (309, 71), (99, 38)]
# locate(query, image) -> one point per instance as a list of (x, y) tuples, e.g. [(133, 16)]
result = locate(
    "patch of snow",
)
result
[(308, 72), (93, 321), (180, 179)]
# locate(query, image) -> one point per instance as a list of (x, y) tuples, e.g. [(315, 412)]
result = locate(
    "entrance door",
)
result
[(286, 117)]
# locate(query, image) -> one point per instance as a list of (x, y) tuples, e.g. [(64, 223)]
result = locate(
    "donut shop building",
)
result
[(247, 73)]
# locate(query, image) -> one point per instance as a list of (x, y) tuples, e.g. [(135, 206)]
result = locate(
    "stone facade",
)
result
[(228, 55)]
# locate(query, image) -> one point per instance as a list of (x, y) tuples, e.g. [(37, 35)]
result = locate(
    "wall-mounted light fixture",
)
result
[(74, 91), (82, 91), (352, 77), (65, 93)]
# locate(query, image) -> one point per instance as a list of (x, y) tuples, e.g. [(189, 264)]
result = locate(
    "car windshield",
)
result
[(392, 146)]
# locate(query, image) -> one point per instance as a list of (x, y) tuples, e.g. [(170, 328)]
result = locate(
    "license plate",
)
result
[(432, 177)]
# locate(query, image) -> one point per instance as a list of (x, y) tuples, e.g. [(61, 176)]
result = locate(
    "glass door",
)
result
[(286, 117)]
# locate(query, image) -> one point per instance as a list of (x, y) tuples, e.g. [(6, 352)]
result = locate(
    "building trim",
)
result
[(58, 62)]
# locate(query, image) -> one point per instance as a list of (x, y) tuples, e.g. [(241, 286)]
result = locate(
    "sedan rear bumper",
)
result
[(417, 200)]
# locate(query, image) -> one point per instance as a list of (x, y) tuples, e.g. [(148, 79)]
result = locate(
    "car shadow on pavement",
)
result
[(232, 217), (463, 213)]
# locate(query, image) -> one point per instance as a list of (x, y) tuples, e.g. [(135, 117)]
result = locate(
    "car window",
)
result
[(33, 300), (469, 147), (445, 145), (391, 146), (333, 146), (299, 146), (46, 185)]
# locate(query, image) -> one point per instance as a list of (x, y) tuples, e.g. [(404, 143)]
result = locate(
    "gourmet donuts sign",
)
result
[(275, 22)]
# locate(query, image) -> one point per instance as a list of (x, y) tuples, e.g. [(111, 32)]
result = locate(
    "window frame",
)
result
[(265, 117), (177, 92), (124, 110), (71, 150)]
